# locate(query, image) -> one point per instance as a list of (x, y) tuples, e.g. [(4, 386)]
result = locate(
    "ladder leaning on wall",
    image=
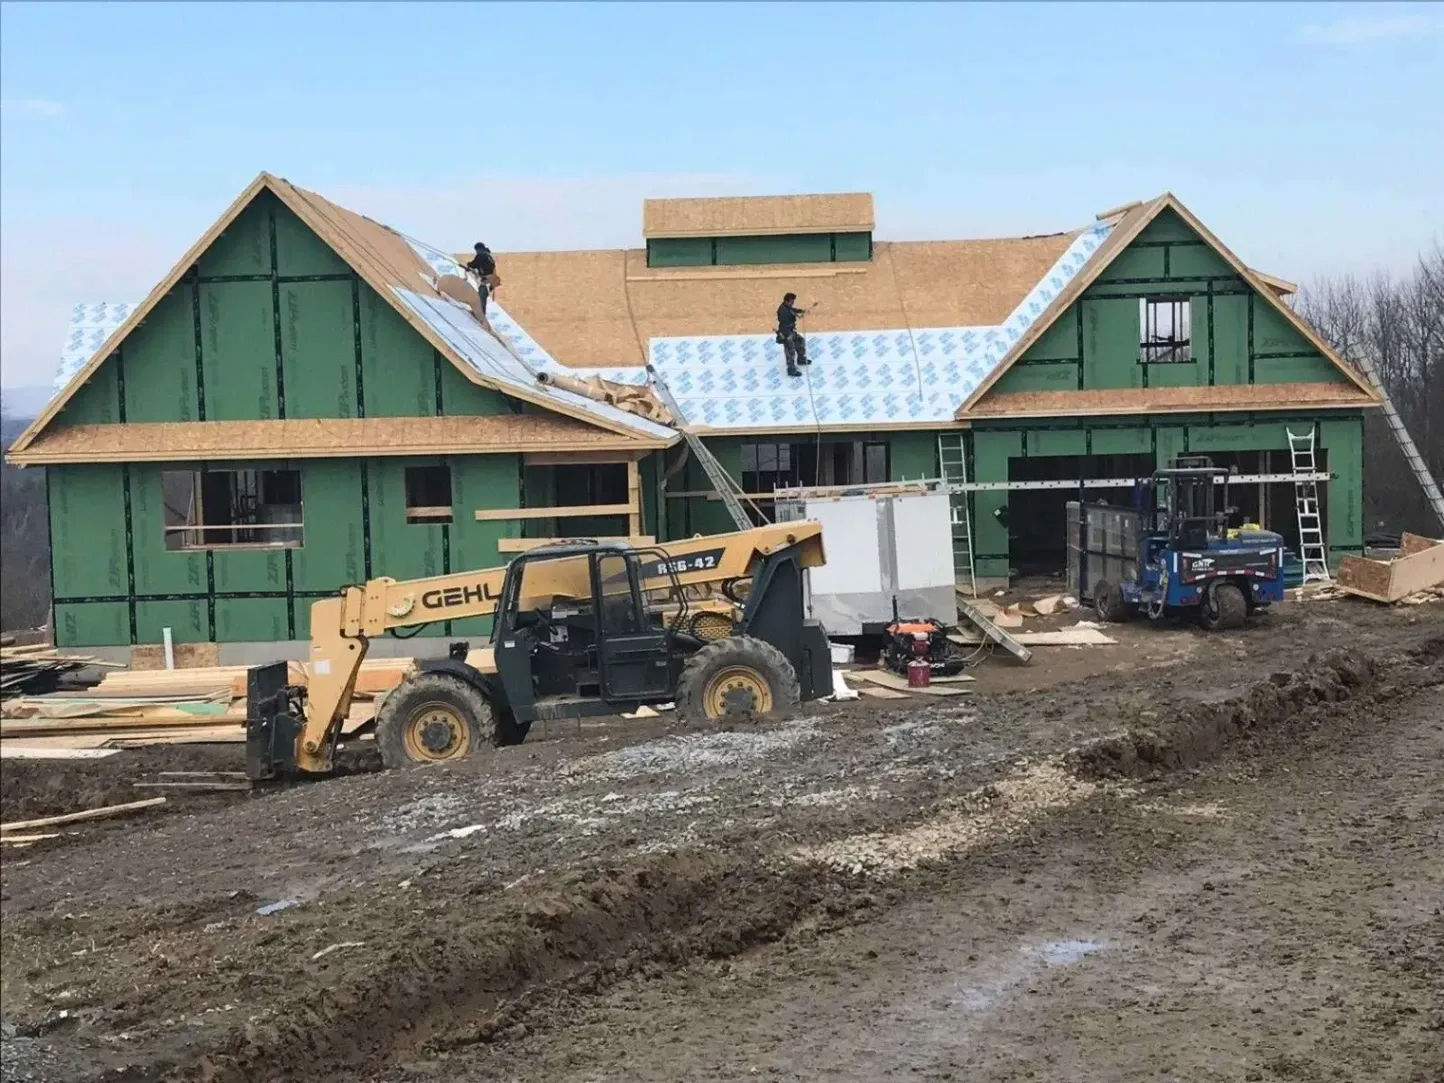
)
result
[(953, 466), (1312, 551), (722, 482), (1406, 443)]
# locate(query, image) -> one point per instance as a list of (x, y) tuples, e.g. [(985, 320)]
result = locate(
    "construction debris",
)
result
[(38, 669), (1418, 570)]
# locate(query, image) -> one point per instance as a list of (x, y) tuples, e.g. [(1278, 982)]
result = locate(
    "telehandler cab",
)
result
[(580, 628)]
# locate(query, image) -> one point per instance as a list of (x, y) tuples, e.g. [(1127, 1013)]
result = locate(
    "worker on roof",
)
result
[(484, 264), (794, 346)]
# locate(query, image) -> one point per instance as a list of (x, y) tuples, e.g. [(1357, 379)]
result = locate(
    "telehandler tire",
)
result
[(736, 678), (1223, 608), (434, 718)]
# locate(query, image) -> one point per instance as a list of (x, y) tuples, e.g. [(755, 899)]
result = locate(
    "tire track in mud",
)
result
[(479, 973)]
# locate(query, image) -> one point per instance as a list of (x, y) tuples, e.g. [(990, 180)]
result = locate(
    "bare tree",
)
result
[(1398, 325)]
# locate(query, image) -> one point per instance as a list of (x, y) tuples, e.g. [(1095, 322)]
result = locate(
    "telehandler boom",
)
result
[(580, 628)]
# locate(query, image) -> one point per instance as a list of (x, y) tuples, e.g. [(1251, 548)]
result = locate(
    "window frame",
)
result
[(193, 522), (1155, 350)]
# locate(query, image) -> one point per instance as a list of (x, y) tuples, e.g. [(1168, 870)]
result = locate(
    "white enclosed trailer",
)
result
[(884, 542)]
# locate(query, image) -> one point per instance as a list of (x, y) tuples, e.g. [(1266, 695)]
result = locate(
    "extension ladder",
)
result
[(953, 466), (1312, 550), (1406, 443), (731, 494)]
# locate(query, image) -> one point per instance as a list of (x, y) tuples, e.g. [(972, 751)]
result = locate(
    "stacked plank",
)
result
[(1418, 572), (134, 708), (34, 670)]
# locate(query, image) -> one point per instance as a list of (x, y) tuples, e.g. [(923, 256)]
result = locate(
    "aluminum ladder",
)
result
[(1405, 441), (722, 482), (1312, 549), (953, 466)]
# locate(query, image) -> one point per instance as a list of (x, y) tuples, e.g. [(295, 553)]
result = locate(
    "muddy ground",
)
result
[(1185, 857)]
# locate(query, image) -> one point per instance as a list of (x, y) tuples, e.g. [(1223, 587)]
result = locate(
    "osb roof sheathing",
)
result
[(1162, 400), (600, 308), (302, 438), (739, 216)]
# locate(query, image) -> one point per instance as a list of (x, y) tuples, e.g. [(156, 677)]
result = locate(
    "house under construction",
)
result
[(311, 398)]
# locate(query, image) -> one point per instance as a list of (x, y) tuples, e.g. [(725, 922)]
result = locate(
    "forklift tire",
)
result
[(434, 718), (736, 678), (1223, 608), (1109, 603)]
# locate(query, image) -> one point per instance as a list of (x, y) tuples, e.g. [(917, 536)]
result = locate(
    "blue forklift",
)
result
[(1172, 553)]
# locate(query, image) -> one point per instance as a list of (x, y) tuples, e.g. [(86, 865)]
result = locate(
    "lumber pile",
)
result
[(37, 669), (1417, 573), (134, 708)]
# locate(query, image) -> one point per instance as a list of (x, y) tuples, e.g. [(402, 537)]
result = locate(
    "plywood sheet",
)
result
[(732, 216), (1142, 400)]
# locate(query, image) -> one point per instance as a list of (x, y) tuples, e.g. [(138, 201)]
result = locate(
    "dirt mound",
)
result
[(465, 972), (1176, 735)]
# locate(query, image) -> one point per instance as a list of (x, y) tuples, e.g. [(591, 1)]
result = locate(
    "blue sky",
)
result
[(1307, 135)]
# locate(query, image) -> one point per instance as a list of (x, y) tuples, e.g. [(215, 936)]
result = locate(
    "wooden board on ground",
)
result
[(13, 750), (878, 692), (892, 680), (105, 812), (1066, 637)]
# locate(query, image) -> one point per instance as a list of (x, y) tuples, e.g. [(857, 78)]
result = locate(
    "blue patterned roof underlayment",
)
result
[(90, 326), (857, 377)]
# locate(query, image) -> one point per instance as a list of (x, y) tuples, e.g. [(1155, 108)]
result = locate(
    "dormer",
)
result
[(741, 230)]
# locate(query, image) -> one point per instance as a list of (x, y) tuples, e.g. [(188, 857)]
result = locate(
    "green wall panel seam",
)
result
[(129, 549), (436, 362), (118, 360), (211, 594), (360, 368), (1209, 307), (366, 518), (1249, 347), (200, 341), (221, 280), (276, 314), (290, 598)]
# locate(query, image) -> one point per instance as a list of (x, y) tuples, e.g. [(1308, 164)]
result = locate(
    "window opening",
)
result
[(1164, 330), (428, 494), (211, 509)]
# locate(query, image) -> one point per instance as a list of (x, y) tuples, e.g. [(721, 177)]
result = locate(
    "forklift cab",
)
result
[(1187, 506), (576, 632)]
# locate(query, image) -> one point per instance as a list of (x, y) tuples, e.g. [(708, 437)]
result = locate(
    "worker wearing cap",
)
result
[(794, 346), (484, 264)]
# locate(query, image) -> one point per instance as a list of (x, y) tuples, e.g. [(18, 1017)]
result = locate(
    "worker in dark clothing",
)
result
[(794, 346), (484, 264)]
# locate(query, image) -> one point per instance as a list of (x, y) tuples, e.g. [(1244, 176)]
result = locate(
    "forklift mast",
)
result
[(1192, 510)]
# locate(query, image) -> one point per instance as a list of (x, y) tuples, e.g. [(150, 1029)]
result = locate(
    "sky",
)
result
[(1307, 136)]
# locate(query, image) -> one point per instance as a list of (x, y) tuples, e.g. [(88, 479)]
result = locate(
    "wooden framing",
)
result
[(523, 545), (576, 511), (578, 458)]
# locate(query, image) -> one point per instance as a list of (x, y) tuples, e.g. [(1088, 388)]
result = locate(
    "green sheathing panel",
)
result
[(87, 531), (852, 247), (254, 620), (400, 549), (912, 456), (188, 621), (1282, 355), (477, 482), (991, 451), (158, 571), (679, 252), (801, 248), (1236, 336), (318, 345), (238, 344), (98, 400), (159, 361), (92, 624), (334, 549), (1343, 443), (400, 376), (462, 397)]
